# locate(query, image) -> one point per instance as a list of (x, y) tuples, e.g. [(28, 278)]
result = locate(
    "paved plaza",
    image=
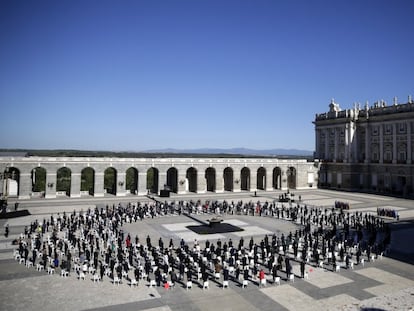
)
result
[(385, 284)]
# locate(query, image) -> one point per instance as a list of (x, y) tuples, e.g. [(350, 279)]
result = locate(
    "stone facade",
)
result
[(367, 149), (180, 175)]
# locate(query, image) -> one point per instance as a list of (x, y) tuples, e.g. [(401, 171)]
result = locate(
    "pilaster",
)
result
[(50, 185), (121, 184), (99, 184), (142, 183), (25, 185), (75, 185), (201, 181)]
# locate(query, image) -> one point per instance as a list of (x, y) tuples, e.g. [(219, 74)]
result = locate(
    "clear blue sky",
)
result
[(138, 75)]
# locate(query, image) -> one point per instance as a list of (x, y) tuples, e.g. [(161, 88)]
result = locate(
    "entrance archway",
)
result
[(131, 180), (110, 180), (291, 177), (172, 179), (211, 179), (39, 180), (245, 179), (277, 178), (88, 180), (152, 180), (191, 176), (11, 182), (261, 178), (228, 179), (63, 180)]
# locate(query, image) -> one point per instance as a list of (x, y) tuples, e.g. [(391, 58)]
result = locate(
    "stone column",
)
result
[(25, 185), (50, 185), (121, 183), (317, 142), (346, 147), (142, 183), (394, 143), (219, 181), (336, 142), (201, 181), (284, 181), (253, 180), (269, 180), (99, 184), (326, 144), (409, 141), (162, 180), (367, 145), (236, 181), (181, 183), (75, 185), (381, 144)]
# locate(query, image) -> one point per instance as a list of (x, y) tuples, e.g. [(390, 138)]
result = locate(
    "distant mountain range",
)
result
[(241, 151)]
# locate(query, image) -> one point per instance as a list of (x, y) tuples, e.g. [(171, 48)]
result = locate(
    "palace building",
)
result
[(367, 149)]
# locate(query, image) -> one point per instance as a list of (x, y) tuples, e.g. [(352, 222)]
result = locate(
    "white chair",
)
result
[(217, 275), (263, 282), (277, 280), (64, 273), (81, 276), (116, 280), (363, 262), (21, 260), (96, 278), (292, 278), (245, 283), (29, 264), (338, 268), (225, 284), (352, 265), (321, 264), (189, 284), (133, 282), (206, 285), (306, 275), (152, 283), (50, 270), (39, 267)]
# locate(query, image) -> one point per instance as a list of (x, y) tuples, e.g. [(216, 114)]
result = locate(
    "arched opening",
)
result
[(277, 178), (38, 180), (110, 180), (291, 178), (228, 179), (191, 179), (11, 179), (131, 182), (63, 181), (211, 179), (152, 180), (172, 179), (88, 181), (245, 179), (261, 178)]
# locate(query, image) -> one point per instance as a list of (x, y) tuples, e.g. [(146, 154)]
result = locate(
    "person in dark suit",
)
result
[(302, 269), (226, 274)]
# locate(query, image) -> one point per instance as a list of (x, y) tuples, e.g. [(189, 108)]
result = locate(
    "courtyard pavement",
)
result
[(385, 284)]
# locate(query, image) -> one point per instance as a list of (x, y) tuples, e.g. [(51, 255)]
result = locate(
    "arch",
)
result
[(277, 178), (245, 179), (131, 180), (88, 180), (172, 179), (110, 180), (11, 182), (191, 176), (211, 179), (38, 176), (228, 179), (63, 180), (291, 177), (152, 180), (261, 178)]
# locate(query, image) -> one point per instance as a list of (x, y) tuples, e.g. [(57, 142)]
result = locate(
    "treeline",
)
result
[(120, 154)]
